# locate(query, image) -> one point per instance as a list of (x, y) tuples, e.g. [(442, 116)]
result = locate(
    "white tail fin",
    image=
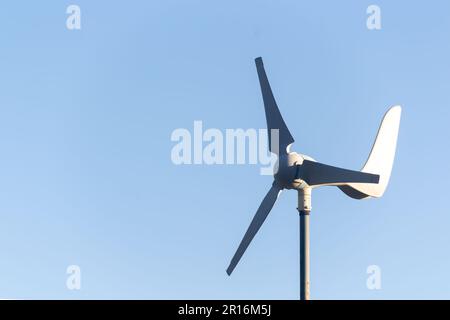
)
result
[(381, 158)]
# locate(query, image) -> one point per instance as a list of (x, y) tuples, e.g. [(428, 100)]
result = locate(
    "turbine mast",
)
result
[(304, 209)]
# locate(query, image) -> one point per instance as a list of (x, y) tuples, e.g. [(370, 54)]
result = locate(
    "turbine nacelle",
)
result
[(286, 170)]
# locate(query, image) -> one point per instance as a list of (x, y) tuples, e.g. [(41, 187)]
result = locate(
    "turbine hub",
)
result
[(285, 170)]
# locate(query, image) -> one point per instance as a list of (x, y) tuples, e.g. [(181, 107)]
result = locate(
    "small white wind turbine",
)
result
[(302, 173)]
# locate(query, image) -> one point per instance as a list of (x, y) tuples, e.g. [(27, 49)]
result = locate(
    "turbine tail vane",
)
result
[(381, 157)]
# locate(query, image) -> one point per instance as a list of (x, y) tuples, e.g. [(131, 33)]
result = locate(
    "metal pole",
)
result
[(304, 208)]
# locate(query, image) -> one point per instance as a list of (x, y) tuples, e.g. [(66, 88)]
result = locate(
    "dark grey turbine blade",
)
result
[(259, 218), (315, 173), (273, 115)]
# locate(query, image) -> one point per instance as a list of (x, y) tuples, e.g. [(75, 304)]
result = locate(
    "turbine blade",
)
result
[(315, 173), (273, 115), (259, 218)]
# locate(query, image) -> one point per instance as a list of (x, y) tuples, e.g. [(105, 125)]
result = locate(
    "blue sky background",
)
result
[(86, 176)]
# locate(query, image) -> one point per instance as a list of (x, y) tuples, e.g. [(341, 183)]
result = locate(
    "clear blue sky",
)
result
[(85, 171)]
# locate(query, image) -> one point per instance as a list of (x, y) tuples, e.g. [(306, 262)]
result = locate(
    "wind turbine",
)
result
[(302, 173)]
